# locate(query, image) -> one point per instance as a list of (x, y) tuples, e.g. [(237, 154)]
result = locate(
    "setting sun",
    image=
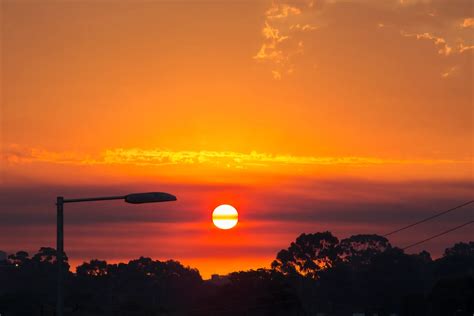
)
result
[(225, 216)]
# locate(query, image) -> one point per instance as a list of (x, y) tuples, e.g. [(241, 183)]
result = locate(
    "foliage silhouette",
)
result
[(316, 273), (308, 255)]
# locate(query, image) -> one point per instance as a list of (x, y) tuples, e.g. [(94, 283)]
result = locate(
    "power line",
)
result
[(438, 235), (428, 218)]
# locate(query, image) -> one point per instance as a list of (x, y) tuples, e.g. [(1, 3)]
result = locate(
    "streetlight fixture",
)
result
[(135, 198)]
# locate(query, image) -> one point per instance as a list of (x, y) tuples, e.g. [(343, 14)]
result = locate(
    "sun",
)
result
[(225, 216)]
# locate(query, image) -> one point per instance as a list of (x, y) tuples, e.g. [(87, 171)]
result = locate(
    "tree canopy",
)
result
[(316, 273)]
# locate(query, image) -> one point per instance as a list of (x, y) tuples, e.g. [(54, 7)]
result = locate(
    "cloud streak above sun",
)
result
[(137, 156)]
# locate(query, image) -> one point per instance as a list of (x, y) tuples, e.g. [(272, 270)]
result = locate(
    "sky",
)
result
[(349, 116)]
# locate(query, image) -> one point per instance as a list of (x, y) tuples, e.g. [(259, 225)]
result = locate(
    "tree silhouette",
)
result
[(142, 285), (45, 255), (20, 258), (356, 272), (461, 249), (308, 255), (316, 273), (95, 268), (254, 292), (31, 281), (453, 294), (457, 261), (360, 249)]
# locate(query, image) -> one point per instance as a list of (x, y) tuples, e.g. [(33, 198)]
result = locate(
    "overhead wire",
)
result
[(428, 218), (438, 235)]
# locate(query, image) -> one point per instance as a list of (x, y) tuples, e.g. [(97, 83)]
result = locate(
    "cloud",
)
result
[(157, 157), (281, 37), (444, 48), (303, 27), (304, 200), (468, 23), (450, 72), (276, 75), (441, 22), (272, 33), (360, 212), (463, 48), (19, 154), (281, 11), (270, 51)]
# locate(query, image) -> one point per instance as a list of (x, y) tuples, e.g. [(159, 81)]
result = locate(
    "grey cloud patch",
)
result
[(363, 201), (313, 210), (356, 201)]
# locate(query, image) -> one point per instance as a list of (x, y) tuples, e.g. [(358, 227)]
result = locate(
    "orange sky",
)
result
[(348, 116)]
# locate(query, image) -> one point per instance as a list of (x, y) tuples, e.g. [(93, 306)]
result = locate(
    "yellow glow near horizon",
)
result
[(225, 216)]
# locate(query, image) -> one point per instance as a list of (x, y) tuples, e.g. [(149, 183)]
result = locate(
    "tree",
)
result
[(394, 276), (453, 296), (308, 255), (46, 255), (140, 287), (33, 281), (457, 261), (20, 258), (96, 268), (360, 249), (460, 249), (253, 292)]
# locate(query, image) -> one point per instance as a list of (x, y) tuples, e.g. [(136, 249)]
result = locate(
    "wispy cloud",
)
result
[(286, 22), (463, 48), (281, 11), (467, 23), (281, 40), (443, 47), (157, 157), (450, 72), (303, 27)]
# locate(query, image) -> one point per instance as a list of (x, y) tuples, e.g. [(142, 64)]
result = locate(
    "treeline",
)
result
[(317, 273)]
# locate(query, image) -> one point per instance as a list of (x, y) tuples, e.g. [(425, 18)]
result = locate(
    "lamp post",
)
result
[(136, 198)]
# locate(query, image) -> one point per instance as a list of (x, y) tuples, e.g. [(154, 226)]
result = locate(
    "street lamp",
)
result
[(135, 198)]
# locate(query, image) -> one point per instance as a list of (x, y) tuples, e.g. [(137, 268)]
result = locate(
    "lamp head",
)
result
[(150, 197)]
